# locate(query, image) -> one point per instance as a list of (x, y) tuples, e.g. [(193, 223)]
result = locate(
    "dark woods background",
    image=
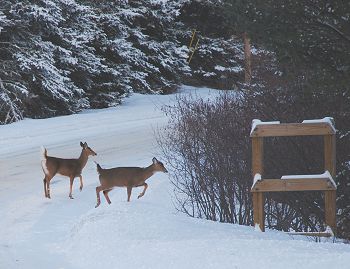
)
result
[(304, 75)]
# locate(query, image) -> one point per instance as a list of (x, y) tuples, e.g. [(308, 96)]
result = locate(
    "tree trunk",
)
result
[(247, 58)]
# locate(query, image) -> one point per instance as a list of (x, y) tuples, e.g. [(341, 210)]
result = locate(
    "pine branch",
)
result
[(347, 38)]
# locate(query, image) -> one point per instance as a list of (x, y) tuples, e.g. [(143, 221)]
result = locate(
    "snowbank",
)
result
[(147, 233)]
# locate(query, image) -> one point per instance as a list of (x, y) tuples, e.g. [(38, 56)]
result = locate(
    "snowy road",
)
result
[(148, 233)]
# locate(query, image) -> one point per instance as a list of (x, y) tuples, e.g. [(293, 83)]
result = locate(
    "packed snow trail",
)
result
[(36, 232)]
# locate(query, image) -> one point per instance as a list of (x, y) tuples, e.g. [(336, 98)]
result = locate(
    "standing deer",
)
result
[(71, 168), (128, 177)]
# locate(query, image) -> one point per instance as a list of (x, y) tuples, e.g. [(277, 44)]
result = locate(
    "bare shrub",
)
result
[(207, 148)]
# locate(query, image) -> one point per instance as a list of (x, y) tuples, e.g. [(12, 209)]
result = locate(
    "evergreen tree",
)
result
[(61, 56), (310, 37)]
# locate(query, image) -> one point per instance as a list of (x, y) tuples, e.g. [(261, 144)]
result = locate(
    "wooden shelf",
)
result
[(292, 129), (318, 234), (323, 182), (294, 184)]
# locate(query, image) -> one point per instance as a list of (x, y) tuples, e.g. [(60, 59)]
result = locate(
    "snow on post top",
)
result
[(257, 177), (328, 120), (257, 122)]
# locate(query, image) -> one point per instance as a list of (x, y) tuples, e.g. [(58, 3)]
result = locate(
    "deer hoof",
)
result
[(71, 197), (81, 188)]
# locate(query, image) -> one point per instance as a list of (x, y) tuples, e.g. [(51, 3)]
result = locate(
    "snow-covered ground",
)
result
[(36, 232)]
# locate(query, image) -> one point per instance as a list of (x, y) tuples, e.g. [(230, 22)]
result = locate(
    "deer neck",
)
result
[(83, 158), (149, 171)]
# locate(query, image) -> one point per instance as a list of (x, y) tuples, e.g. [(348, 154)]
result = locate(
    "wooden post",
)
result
[(330, 209), (247, 58), (258, 210), (257, 167), (257, 155), (329, 154), (330, 165)]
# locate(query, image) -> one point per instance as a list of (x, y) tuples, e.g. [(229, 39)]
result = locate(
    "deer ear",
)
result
[(85, 145), (81, 144), (154, 160)]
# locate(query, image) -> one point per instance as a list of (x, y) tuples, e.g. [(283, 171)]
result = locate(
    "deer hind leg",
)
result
[(105, 193), (98, 189), (71, 179), (81, 183), (48, 179), (45, 189), (129, 192), (143, 192)]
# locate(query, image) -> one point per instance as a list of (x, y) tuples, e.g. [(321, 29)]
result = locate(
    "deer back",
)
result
[(124, 176), (65, 167)]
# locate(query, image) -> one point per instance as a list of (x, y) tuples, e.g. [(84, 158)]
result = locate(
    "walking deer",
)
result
[(71, 168), (128, 177)]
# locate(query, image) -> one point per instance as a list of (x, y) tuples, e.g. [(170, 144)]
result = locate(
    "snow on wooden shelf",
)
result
[(325, 175), (318, 182)]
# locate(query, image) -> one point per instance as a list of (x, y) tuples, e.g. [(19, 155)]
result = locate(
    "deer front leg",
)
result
[(129, 188), (143, 192), (71, 179), (81, 183), (105, 193)]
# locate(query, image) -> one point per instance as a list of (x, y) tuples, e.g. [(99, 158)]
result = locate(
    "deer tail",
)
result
[(43, 153), (44, 160), (99, 168)]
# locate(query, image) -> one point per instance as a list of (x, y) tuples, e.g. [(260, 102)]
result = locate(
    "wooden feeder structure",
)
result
[(322, 182)]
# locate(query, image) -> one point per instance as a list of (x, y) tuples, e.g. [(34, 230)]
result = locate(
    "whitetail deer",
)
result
[(71, 168), (128, 177)]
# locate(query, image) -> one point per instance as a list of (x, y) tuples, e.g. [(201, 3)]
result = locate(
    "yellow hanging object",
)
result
[(193, 35), (191, 48)]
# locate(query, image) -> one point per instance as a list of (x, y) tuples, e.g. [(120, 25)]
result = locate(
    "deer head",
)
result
[(87, 150), (159, 166)]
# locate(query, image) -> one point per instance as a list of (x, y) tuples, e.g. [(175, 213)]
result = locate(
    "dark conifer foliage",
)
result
[(61, 56)]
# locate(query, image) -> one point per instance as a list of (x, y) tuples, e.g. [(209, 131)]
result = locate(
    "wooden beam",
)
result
[(247, 59), (292, 129), (297, 184)]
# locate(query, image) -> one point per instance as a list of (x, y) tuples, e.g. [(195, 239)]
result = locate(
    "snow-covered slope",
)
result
[(148, 233)]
